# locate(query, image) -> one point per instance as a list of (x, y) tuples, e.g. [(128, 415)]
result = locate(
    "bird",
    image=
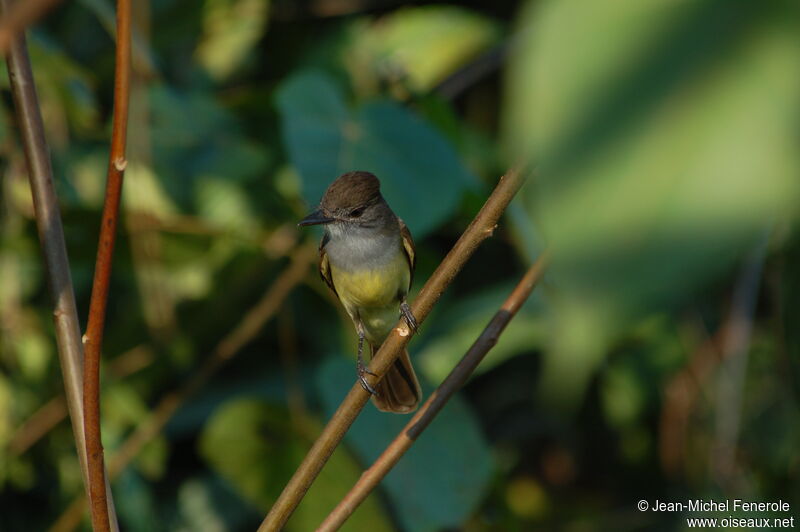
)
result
[(367, 258)]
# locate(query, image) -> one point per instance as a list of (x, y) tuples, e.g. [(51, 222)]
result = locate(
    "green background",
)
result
[(659, 358)]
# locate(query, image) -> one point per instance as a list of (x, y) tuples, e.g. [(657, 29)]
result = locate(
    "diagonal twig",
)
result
[(93, 339), (731, 339), (481, 228), (733, 366), (423, 417)]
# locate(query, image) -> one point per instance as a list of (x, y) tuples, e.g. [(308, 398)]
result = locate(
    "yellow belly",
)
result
[(372, 295)]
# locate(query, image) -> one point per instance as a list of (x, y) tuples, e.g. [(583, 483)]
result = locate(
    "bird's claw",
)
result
[(366, 385), (362, 370), (405, 310)]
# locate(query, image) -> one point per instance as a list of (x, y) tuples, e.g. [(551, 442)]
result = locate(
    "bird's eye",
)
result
[(355, 213)]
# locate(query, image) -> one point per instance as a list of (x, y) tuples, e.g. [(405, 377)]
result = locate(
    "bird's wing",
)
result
[(325, 265), (408, 247)]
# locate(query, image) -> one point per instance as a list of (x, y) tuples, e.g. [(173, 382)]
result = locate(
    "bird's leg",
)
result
[(405, 310), (361, 369)]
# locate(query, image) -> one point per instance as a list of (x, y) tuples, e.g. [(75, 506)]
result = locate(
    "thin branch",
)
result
[(53, 412), (248, 328), (735, 350), (93, 339), (19, 16), (731, 339), (51, 232), (481, 228), (40, 423), (452, 383)]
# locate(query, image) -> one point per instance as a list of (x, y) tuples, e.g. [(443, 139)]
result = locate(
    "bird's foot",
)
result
[(405, 310), (362, 370)]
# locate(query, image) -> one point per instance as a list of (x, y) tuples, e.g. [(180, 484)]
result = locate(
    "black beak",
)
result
[(315, 218)]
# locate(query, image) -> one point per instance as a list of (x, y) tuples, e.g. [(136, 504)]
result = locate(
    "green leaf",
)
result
[(231, 29), (198, 137), (225, 204), (34, 353), (426, 44), (145, 193), (666, 138), (443, 477), (414, 162), (255, 447)]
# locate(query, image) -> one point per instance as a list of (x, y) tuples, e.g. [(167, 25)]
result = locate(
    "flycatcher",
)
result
[(367, 258)]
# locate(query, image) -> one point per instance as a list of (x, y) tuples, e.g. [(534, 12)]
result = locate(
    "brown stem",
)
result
[(51, 233), (244, 332), (481, 228), (93, 339), (19, 16), (452, 383), (40, 423)]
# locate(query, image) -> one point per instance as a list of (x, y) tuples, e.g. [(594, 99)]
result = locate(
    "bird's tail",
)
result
[(399, 389)]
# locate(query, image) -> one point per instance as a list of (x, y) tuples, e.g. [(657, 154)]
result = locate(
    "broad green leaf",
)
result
[(192, 279), (34, 353), (421, 175), (197, 138), (422, 44), (255, 447), (144, 192), (665, 137), (187, 119), (224, 203), (443, 477), (231, 29), (86, 174)]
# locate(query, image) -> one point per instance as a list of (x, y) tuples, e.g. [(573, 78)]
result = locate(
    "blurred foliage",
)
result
[(660, 358), (268, 453), (664, 155), (413, 160)]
